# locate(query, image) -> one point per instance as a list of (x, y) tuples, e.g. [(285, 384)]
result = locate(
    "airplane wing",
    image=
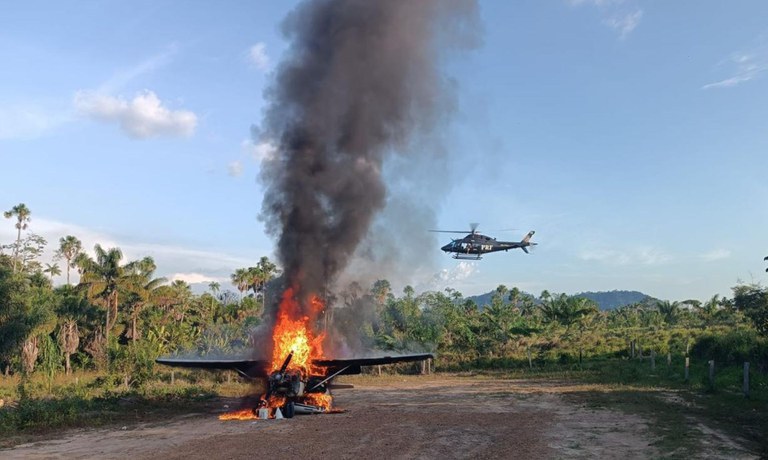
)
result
[(258, 368), (246, 367), (350, 366)]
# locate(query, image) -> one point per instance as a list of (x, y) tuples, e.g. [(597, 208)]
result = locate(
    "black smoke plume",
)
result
[(359, 79)]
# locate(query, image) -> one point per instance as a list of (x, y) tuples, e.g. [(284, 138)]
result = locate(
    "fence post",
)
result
[(687, 367), (173, 378), (632, 349), (669, 359), (653, 360), (746, 379), (711, 374)]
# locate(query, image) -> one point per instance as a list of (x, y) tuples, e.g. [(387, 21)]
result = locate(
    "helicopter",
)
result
[(474, 244)]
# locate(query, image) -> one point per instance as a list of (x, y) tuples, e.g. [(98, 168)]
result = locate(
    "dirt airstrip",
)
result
[(409, 417)]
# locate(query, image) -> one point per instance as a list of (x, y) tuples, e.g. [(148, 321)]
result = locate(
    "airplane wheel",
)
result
[(289, 410)]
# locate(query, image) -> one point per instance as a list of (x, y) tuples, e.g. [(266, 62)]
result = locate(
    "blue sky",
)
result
[(631, 135)]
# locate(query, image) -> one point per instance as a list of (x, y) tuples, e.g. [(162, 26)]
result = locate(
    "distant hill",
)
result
[(606, 300), (610, 300)]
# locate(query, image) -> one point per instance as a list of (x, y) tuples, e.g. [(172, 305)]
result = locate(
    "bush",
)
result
[(733, 347)]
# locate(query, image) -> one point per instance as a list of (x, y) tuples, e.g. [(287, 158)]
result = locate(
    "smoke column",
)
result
[(360, 78)]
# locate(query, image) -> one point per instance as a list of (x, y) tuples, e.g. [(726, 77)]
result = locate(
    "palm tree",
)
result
[(22, 212), (69, 248), (69, 339), (241, 278), (267, 271), (103, 278), (708, 311), (52, 270), (143, 287), (669, 310)]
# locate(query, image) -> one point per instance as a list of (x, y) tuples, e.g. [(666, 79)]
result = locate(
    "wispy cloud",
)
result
[(634, 256), (623, 16), (259, 151), (624, 23), (716, 254), (120, 79), (28, 121), (197, 278), (743, 67), (173, 261), (235, 169), (257, 55), (142, 117)]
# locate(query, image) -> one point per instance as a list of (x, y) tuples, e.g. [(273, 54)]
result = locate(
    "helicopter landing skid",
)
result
[(466, 257)]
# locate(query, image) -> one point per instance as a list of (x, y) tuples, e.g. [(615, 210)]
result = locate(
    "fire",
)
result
[(295, 335), (320, 400), (244, 414)]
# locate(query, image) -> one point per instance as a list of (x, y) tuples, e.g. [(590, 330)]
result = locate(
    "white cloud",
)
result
[(235, 169), (257, 55), (263, 151), (716, 254), (142, 117), (196, 278), (624, 23), (635, 256), (744, 67)]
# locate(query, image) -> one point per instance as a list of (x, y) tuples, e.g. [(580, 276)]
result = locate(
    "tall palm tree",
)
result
[(52, 270), (241, 279), (69, 248), (142, 288), (103, 277), (22, 213)]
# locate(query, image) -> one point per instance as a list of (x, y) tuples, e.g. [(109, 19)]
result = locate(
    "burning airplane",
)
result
[(359, 82)]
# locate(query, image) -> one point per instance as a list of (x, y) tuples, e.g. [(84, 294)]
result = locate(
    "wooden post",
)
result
[(711, 374), (632, 349), (429, 366), (229, 377), (424, 367), (746, 379), (653, 360), (687, 366), (173, 378), (379, 368), (669, 359)]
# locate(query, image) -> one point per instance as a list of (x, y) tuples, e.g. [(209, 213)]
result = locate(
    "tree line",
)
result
[(120, 316)]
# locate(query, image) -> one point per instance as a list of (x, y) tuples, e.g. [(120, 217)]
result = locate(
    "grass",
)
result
[(93, 400)]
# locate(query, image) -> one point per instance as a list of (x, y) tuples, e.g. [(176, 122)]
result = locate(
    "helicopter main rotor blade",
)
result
[(449, 231)]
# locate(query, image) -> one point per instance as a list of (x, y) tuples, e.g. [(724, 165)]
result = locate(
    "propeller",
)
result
[(472, 227)]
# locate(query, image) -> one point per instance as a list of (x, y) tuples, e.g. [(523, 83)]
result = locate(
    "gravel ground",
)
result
[(413, 417)]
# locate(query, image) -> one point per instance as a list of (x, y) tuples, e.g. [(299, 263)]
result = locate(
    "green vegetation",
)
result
[(69, 354)]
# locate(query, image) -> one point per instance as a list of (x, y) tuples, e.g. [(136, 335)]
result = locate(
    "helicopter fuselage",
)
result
[(474, 245)]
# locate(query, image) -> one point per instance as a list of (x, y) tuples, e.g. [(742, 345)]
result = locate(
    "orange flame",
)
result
[(293, 333), (244, 414)]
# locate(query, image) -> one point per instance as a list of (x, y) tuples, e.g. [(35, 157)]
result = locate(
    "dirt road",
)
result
[(406, 418)]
